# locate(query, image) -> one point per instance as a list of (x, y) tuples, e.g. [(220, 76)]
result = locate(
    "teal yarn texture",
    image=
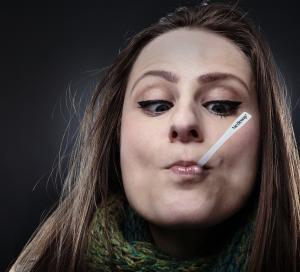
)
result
[(134, 249)]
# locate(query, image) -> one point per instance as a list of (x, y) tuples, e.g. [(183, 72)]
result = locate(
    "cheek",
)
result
[(138, 157), (243, 143), (240, 155), (246, 144), (137, 142)]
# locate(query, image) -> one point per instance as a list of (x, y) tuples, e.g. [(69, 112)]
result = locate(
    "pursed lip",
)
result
[(187, 170), (187, 164)]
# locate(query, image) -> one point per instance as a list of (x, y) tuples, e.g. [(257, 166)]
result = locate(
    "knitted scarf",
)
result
[(134, 249)]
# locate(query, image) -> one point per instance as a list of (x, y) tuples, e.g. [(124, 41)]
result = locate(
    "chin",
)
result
[(176, 220)]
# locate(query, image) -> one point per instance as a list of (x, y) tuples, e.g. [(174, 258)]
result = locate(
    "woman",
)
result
[(160, 102)]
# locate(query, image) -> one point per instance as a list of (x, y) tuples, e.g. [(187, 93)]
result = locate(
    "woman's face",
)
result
[(184, 126)]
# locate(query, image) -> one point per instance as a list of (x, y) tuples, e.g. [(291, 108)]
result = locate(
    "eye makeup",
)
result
[(222, 108)]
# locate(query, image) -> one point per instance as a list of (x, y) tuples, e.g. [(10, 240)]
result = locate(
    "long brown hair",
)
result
[(60, 243)]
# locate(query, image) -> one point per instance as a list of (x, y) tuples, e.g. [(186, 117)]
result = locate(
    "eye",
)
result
[(223, 108), (151, 105)]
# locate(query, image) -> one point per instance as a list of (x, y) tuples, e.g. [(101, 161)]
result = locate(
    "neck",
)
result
[(188, 243)]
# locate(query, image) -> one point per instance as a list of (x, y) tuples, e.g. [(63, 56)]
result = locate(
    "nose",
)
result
[(185, 126)]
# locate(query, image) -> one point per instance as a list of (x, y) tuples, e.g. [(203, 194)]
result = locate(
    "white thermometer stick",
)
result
[(236, 125)]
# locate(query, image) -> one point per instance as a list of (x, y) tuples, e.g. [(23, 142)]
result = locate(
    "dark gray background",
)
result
[(49, 53)]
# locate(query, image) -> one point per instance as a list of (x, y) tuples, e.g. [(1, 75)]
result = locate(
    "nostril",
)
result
[(194, 133)]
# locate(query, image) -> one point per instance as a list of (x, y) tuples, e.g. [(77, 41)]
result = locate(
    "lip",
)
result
[(192, 170), (186, 164)]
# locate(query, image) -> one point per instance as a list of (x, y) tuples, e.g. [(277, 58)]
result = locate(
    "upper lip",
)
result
[(186, 163)]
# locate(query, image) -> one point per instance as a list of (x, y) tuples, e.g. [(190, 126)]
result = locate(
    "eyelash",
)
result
[(233, 104)]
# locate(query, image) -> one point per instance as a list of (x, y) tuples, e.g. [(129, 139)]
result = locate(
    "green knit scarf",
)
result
[(134, 249)]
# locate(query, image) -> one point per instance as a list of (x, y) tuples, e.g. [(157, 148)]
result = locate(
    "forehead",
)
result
[(192, 52)]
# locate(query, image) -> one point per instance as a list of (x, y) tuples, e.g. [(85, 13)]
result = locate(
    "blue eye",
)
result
[(222, 108)]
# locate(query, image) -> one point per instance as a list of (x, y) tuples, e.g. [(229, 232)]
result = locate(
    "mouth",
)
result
[(188, 170), (193, 170), (188, 165)]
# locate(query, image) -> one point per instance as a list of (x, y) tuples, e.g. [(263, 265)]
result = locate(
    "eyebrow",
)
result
[(202, 79)]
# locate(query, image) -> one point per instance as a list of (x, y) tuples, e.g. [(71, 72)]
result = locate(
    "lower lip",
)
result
[(193, 170)]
